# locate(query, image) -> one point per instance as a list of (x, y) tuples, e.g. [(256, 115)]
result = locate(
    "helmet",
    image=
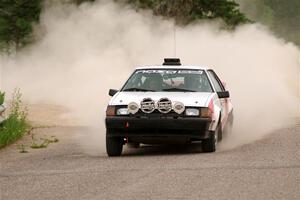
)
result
[(154, 81)]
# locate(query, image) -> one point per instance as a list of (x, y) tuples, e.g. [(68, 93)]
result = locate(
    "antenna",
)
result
[(175, 42)]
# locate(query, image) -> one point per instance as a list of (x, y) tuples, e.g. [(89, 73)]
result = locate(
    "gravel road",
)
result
[(266, 169)]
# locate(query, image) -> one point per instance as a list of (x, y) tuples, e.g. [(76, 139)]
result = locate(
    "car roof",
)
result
[(172, 67)]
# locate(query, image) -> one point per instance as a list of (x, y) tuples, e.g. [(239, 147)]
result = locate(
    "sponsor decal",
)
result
[(163, 72)]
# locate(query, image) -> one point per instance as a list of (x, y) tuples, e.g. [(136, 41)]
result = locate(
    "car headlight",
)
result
[(122, 111), (192, 112)]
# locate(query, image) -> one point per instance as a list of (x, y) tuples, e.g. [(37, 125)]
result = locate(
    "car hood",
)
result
[(199, 99)]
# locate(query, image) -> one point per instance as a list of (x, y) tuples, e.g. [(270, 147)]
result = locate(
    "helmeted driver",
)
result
[(154, 82)]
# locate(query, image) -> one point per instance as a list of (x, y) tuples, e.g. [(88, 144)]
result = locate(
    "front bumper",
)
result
[(193, 128)]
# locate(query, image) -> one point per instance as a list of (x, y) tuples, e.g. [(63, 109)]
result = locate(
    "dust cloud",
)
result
[(83, 51)]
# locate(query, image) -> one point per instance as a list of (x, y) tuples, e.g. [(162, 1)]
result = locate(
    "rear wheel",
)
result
[(114, 145)]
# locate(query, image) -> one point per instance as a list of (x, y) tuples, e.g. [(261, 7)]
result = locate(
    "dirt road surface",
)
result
[(266, 169)]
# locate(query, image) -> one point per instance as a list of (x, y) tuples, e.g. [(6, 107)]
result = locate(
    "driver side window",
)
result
[(215, 81)]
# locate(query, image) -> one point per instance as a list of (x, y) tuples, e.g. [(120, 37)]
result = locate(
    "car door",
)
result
[(224, 102)]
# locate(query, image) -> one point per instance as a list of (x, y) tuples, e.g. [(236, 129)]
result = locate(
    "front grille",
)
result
[(157, 114)]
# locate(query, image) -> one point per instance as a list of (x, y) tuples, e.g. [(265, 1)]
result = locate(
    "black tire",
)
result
[(114, 146), (209, 145)]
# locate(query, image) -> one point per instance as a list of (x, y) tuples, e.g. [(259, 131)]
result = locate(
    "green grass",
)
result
[(15, 126), (2, 94), (44, 142)]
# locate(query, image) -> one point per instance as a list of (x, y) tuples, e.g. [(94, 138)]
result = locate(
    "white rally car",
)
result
[(168, 103)]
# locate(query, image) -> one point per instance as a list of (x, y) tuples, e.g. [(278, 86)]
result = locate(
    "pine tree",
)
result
[(16, 21), (186, 11)]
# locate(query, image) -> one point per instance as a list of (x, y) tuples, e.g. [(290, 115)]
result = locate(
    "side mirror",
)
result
[(223, 94), (112, 92)]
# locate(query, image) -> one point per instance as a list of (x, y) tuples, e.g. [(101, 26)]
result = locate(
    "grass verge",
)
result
[(15, 126)]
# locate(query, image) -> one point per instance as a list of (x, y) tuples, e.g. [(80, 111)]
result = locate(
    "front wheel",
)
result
[(114, 146), (210, 144)]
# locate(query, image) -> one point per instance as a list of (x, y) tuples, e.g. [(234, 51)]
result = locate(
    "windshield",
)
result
[(170, 80)]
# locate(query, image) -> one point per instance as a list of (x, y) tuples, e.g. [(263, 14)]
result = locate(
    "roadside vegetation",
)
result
[(16, 125), (187, 11), (43, 142), (35, 143), (2, 95), (281, 16), (17, 18)]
